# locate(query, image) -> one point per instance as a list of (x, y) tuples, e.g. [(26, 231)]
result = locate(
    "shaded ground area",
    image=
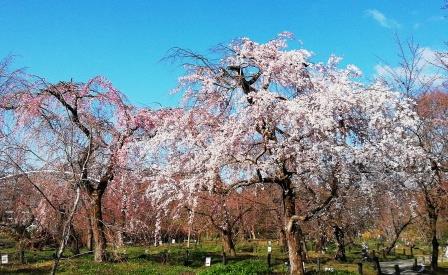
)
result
[(407, 266), (177, 259)]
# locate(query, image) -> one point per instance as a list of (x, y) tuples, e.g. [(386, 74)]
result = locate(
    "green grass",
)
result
[(245, 267), (251, 259)]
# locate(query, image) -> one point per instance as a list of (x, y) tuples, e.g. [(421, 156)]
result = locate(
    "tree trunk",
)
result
[(189, 236), (252, 233), (391, 245), (121, 230), (397, 232), (321, 243), (432, 217), (120, 241), (227, 241), (304, 250), (282, 239), (21, 252), (117, 244), (96, 216), (66, 231), (90, 235), (293, 234), (74, 241), (281, 231), (339, 237), (435, 244)]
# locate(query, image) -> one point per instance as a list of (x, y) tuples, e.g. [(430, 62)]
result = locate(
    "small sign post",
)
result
[(208, 261), (224, 258), (4, 259), (269, 254), (269, 260)]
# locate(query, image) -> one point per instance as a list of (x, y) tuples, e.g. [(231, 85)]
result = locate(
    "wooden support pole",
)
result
[(376, 262), (224, 258), (360, 268), (269, 260)]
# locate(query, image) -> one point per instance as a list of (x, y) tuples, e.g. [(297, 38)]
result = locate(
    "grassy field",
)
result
[(173, 259)]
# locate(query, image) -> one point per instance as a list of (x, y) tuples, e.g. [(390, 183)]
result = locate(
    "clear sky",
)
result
[(125, 40)]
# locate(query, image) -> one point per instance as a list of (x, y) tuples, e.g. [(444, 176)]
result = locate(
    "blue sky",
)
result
[(125, 40)]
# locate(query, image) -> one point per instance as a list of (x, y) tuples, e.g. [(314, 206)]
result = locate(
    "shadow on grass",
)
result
[(192, 258), (24, 269)]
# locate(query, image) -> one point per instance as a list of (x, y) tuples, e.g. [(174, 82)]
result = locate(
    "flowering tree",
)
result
[(18, 220), (128, 211), (397, 209), (31, 220), (224, 210), (267, 115), (349, 215), (424, 80), (82, 131), (433, 166), (265, 218)]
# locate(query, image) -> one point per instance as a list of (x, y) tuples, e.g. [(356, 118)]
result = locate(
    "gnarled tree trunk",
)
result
[(434, 242), (96, 216), (90, 235), (227, 242), (293, 233)]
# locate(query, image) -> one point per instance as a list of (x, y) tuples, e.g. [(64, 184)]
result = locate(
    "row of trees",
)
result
[(262, 132)]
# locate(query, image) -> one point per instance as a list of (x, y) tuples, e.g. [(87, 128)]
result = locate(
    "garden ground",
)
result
[(177, 259)]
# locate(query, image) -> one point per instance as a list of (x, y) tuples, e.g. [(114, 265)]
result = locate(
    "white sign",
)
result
[(4, 259), (269, 249), (160, 242), (173, 241), (208, 261)]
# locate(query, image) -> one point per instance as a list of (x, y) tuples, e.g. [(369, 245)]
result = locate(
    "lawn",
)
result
[(177, 259)]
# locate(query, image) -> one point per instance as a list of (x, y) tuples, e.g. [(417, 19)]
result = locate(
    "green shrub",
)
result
[(247, 267)]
